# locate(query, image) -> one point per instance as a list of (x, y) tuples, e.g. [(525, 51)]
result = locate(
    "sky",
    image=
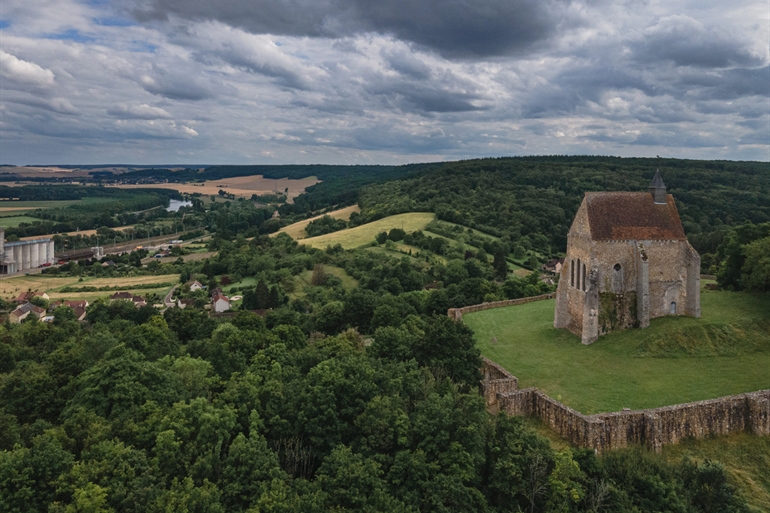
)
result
[(381, 82)]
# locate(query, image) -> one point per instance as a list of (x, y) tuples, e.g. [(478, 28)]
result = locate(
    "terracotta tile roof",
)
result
[(632, 216)]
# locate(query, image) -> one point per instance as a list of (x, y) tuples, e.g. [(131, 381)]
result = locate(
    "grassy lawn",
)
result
[(15, 220), (364, 234), (675, 360), (249, 281), (348, 282), (297, 230)]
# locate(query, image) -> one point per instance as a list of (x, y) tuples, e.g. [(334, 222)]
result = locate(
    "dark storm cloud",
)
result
[(687, 42), (175, 85), (728, 84), (409, 97), (451, 27)]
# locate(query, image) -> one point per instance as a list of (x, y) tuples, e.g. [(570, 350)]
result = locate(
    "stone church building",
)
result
[(627, 262)]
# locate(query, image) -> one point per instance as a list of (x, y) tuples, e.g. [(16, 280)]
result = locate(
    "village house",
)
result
[(127, 296), (554, 265), (184, 303), (24, 311), (26, 297), (194, 285), (220, 302)]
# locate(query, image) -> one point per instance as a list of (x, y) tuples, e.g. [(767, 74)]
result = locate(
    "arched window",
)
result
[(572, 273), (618, 285), (584, 276), (672, 308)]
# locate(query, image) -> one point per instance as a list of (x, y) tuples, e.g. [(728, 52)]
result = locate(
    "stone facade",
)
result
[(627, 262)]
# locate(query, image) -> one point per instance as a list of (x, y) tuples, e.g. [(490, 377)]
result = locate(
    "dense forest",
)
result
[(354, 392), (149, 413), (536, 199)]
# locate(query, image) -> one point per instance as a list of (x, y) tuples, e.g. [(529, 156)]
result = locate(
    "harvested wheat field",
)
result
[(297, 230), (241, 186), (12, 287)]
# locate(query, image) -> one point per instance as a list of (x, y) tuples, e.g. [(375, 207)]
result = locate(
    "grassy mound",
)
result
[(634, 368), (744, 336)]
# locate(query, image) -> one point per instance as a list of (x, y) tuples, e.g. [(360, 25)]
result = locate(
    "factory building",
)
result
[(24, 254)]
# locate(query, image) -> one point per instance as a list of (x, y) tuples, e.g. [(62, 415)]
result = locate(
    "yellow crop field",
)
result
[(365, 234), (297, 230), (12, 287), (241, 186)]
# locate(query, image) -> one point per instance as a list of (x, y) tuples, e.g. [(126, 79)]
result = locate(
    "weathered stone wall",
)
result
[(496, 381), (457, 313), (652, 427)]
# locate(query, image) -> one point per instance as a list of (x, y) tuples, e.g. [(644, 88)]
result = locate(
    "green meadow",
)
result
[(365, 234), (675, 360)]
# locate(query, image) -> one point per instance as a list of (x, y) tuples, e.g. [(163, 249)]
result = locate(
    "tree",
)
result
[(319, 276), (756, 267), (499, 264), (396, 234), (262, 296)]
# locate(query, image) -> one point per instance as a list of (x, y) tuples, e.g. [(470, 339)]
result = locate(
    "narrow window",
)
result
[(572, 273), (584, 276), (672, 308), (577, 284)]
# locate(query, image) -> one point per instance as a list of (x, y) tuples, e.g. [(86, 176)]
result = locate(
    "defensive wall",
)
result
[(457, 313), (654, 428)]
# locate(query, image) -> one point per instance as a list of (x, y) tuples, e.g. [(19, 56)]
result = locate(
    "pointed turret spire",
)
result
[(658, 188)]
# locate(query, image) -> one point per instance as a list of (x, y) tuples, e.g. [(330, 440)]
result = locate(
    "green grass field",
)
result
[(365, 234), (303, 280), (41, 204), (675, 360), (12, 221)]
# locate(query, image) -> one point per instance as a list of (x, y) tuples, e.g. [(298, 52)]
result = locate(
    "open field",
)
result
[(84, 233), (746, 458), (364, 234), (241, 186), (11, 287), (14, 221), (668, 363), (302, 282), (10, 205), (297, 230)]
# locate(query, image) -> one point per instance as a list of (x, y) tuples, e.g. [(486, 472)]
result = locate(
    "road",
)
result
[(167, 300)]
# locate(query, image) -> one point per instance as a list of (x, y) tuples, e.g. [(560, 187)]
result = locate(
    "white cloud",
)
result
[(606, 77), (142, 111), (22, 72)]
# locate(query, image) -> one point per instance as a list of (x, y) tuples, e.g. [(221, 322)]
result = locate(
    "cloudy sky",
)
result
[(385, 81)]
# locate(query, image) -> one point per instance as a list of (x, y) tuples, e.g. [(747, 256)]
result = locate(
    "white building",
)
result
[(24, 254)]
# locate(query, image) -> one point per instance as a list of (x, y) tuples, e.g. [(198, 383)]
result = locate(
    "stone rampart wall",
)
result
[(457, 313), (652, 427), (496, 381)]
